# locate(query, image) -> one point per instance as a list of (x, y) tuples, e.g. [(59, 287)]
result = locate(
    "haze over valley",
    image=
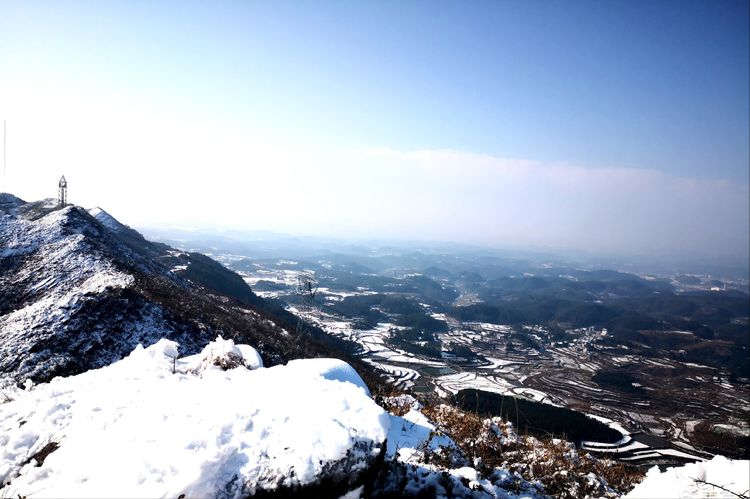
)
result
[(653, 351)]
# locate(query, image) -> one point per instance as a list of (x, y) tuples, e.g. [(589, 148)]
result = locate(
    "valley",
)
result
[(668, 384), (515, 360)]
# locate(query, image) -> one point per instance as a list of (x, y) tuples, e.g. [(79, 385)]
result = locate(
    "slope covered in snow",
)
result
[(79, 290), (51, 272), (107, 220), (151, 425)]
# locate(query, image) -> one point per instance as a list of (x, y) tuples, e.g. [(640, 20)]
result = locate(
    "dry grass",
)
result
[(482, 442), (393, 400), (228, 361), (397, 407), (557, 465)]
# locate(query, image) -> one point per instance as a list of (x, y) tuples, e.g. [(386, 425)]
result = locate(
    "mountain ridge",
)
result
[(79, 290)]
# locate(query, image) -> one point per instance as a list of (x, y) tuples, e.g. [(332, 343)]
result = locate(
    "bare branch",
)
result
[(741, 496)]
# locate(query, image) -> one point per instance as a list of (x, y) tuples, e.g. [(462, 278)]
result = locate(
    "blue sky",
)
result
[(657, 89)]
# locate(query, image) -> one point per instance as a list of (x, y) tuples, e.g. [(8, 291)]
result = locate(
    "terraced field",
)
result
[(666, 409)]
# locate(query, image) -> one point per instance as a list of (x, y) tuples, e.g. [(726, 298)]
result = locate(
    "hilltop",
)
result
[(80, 290)]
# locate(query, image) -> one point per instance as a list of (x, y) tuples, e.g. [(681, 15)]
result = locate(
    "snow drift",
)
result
[(142, 428), (719, 478)]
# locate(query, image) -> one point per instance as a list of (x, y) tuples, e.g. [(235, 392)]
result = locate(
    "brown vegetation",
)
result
[(557, 465)]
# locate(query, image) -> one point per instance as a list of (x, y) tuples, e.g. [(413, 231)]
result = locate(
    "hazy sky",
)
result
[(617, 126)]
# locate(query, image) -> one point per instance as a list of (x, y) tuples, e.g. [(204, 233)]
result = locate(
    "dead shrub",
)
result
[(228, 361), (393, 400)]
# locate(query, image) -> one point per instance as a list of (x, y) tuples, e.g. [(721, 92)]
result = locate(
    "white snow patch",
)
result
[(681, 481), (106, 219), (250, 356), (410, 434), (495, 363), (330, 369)]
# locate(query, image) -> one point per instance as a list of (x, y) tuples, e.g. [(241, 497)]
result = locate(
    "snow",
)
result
[(250, 356), (495, 363), (401, 377), (454, 383), (681, 481), (142, 428), (106, 219), (330, 369), (76, 297), (614, 425), (61, 272), (615, 449), (354, 494), (410, 434)]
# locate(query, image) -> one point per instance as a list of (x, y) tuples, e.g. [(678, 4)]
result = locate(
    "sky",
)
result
[(615, 126)]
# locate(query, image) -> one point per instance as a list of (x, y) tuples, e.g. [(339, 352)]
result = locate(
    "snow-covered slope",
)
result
[(152, 426), (79, 291), (10, 203), (107, 220), (51, 272)]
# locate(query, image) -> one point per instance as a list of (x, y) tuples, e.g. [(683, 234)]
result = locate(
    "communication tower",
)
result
[(307, 287), (62, 192)]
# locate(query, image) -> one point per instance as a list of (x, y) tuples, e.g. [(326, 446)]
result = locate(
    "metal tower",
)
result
[(62, 192), (307, 287)]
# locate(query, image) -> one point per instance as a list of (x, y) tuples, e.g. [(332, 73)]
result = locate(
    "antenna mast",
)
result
[(62, 193), (307, 286)]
